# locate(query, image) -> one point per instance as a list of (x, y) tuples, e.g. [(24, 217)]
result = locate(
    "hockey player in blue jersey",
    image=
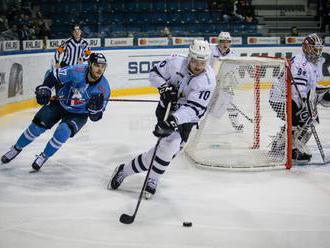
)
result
[(81, 93)]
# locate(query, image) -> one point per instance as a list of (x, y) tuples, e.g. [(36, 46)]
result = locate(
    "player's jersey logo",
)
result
[(101, 88), (63, 71), (76, 98)]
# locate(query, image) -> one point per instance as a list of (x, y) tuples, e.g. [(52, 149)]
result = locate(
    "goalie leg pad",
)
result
[(300, 138), (300, 116), (300, 151)]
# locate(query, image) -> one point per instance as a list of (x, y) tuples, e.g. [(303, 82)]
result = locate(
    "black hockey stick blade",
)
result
[(126, 219)]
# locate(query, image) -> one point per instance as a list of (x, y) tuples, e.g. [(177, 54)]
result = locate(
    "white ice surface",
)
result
[(67, 204)]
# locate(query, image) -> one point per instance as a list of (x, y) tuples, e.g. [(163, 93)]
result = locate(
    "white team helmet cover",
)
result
[(199, 50), (224, 36)]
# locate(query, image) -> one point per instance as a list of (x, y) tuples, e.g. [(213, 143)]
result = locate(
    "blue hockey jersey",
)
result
[(75, 87)]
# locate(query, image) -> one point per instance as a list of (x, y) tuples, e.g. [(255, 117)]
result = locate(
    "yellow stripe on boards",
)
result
[(17, 106), (324, 83), (133, 91), (31, 103)]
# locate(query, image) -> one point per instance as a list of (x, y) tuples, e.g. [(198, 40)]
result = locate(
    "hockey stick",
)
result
[(241, 112), (311, 124), (128, 219), (131, 100), (318, 142), (107, 100)]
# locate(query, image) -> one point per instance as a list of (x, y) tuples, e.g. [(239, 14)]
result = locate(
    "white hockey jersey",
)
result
[(194, 91), (216, 54), (305, 74), (229, 74)]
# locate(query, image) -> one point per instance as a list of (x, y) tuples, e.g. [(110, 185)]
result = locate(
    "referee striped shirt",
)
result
[(72, 51)]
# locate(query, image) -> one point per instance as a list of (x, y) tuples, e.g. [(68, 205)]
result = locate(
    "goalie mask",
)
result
[(96, 65), (312, 48)]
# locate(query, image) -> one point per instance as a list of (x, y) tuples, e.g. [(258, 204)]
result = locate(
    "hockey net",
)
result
[(248, 122)]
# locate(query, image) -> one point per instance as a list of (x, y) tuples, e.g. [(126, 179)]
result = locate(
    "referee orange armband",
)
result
[(88, 52), (60, 49)]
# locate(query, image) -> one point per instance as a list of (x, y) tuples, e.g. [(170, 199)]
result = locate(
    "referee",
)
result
[(74, 50)]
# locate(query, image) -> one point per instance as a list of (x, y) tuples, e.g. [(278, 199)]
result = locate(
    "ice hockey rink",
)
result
[(67, 204)]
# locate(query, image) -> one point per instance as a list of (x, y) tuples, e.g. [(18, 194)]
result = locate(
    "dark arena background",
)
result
[(225, 188)]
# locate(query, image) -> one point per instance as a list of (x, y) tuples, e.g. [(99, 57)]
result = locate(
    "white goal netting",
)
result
[(246, 125)]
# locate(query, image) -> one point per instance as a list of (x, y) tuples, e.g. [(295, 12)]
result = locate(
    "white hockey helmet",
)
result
[(224, 36), (199, 50)]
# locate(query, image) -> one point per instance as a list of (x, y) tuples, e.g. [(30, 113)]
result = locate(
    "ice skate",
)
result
[(150, 189), (39, 161), (117, 177), (300, 158), (10, 155)]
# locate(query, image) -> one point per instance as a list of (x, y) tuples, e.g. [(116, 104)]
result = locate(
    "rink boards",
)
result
[(128, 69)]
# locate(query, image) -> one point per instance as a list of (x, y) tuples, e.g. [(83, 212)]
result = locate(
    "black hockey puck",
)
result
[(187, 224)]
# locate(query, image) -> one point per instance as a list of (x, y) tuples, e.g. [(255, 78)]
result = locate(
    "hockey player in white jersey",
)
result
[(219, 51), (306, 72), (222, 49), (188, 83)]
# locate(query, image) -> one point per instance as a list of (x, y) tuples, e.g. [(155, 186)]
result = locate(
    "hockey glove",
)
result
[(168, 93), (165, 128), (43, 94), (94, 107)]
